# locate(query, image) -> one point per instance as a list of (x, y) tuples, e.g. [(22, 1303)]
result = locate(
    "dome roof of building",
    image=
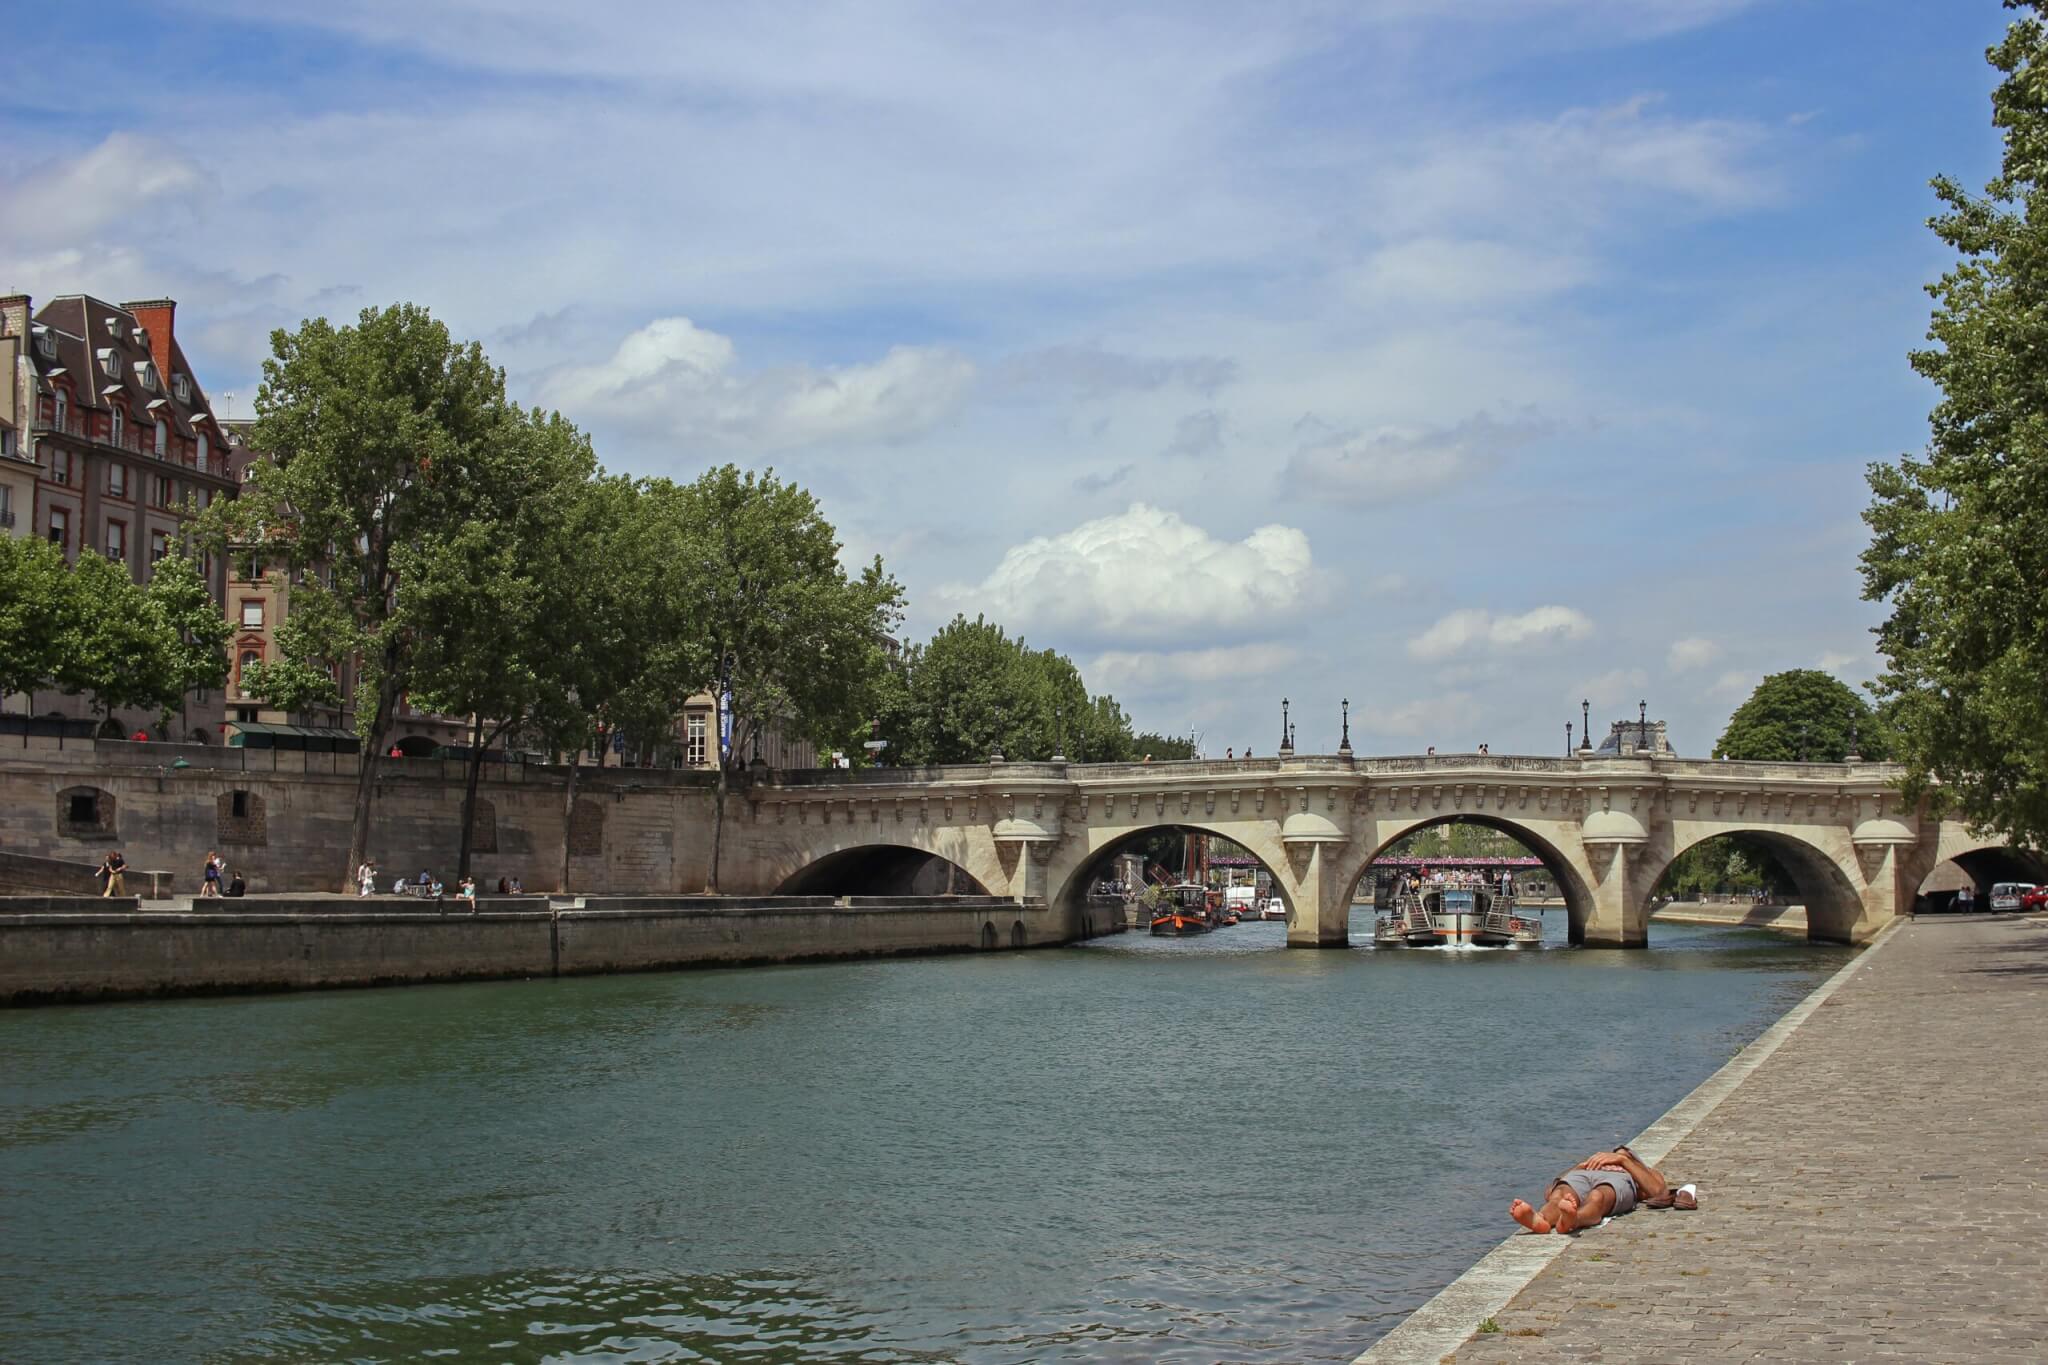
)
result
[(1614, 827)]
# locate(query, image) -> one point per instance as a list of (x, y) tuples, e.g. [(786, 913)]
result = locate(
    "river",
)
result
[(1136, 1149)]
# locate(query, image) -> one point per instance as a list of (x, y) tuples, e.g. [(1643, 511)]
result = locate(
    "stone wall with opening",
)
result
[(85, 813), (239, 819)]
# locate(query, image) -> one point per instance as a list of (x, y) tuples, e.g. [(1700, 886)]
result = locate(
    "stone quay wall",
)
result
[(283, 819), (50, 957)]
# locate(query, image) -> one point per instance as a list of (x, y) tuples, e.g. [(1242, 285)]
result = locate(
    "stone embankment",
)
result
[(1744, 914), (1873, 1188), (65, 949)]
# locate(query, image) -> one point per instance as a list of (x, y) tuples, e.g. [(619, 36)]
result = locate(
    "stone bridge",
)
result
[(1605, 827)]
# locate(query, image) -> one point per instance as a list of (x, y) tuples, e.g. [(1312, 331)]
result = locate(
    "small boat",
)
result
[(1456, 916), (1273, 908), (1185, 911)]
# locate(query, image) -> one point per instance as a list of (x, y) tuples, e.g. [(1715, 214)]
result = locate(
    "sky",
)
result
[(1463, 362)]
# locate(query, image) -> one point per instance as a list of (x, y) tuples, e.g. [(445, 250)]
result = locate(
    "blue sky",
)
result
[(1462, 360)]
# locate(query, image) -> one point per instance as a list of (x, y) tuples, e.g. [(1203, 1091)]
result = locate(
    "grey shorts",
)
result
[(1583, 1183)]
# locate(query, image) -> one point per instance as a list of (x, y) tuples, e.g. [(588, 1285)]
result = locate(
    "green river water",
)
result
[(1136, 1149)]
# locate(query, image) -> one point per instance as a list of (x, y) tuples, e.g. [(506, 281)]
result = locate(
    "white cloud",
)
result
[(1474, 627), (1355, 467), (1449, 272), (1143, 671), (1734, 685), (1837, 661), (675, 376), (1146, 573), (1691, 653), (125, 177), (1612, 687)]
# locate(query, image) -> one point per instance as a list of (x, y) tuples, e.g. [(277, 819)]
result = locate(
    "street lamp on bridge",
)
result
[(1286, 731), (1586, 730), (1642, 725), (1344, 744), (1567, 739)]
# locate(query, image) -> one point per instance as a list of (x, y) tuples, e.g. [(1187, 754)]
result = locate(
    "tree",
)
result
[(118, 656), (193, 632), (384, 438), (749, 603), (1959, 539), (1154, 745), (40, 614), (1801, 714)]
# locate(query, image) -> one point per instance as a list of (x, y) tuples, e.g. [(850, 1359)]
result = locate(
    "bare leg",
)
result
[(1597, 1205), (1522, 1213)]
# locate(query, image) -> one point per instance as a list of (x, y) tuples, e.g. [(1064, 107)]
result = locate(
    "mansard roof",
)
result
[(93, 337)]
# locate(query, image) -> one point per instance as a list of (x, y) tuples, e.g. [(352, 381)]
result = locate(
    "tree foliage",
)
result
[(1802, 714), (91, 630), (973, 690), (1959, 538)]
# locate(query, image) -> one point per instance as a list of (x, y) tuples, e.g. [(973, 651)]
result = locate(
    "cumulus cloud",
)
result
[(1145, 573), (125, 176), (1612, 687), (1392, 463), (1734, 685), (1691, 653), (1475, 628), (1836, 661), (675, 376)]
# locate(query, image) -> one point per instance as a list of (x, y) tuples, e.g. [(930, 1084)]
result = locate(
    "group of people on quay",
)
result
[(429, 886)]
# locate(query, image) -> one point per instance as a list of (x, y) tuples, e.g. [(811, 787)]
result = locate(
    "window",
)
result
[(63, 411), (238, 805), (163, 490), (252, 614), (250, 658), (117, 540), (60, 527), (159, 546), (163, 437), (117, 480), (84, 808), (694, 746), (6, 504), (201, 438), (117, 427), (146, 373), (6, 441), (110, 364), (182, 387)]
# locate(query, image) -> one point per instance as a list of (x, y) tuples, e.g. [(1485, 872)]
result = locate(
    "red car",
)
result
[(2036, 899)]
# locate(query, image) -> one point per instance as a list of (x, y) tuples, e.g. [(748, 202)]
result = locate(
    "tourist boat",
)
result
[(1186, 911), (1273, 908), (1454, 917)]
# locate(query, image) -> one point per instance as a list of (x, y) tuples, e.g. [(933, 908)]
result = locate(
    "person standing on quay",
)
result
[(209, 879), (112, 867)]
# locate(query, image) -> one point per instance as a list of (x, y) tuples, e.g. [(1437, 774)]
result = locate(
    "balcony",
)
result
[(6, 516)]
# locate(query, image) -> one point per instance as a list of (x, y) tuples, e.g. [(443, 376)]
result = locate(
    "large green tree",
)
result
[(1959, 538), (1802, 713), (40, 614), (384, 439)]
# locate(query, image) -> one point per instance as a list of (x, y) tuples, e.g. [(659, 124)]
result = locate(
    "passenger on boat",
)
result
[(1604, 1184)]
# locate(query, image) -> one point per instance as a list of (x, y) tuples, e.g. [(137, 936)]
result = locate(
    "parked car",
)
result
[(2037, 899), (2010, 895)]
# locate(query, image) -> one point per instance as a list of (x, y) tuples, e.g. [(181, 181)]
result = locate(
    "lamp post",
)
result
[(1059, 722), (1642, 725), (1855, 754), (1286, 731), (1567, 739), (1344, 744), (1586, 730)]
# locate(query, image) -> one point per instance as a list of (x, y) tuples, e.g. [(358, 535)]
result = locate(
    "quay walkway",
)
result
[(1875, 1189)]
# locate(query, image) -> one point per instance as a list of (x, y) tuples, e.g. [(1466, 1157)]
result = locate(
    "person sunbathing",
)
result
[(1605, 1184)]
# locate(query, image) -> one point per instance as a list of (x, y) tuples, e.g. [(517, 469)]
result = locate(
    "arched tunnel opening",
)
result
[(882, 870), (1980, 869), (1765, 872), (1476, 851)]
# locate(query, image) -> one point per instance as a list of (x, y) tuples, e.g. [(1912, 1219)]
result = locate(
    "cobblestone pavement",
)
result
[(1876, 1190)]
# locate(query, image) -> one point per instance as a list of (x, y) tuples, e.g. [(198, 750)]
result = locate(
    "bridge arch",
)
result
[(881, 870), (1070, 877), (1828, 881), (1960, 855), (1571, 875)]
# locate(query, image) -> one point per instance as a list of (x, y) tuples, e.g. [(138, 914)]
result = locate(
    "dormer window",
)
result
[(182, 386), (109, 362), (145, 375), (113, 328), (46, 344)]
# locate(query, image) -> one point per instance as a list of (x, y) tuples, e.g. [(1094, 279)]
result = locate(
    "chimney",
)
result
[(156, 315), (13, 315)]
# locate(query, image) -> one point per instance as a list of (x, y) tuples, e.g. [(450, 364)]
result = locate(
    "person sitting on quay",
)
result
[(467, 892), (236, 886), (518, 887), (1605, 1184)]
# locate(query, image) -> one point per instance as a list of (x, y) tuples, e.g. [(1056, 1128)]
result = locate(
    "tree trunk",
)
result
[(470, 779), (366, 781), (717, 831), (568, 811)]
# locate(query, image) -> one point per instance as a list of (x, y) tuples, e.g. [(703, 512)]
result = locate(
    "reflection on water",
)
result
[(1137, 1149)]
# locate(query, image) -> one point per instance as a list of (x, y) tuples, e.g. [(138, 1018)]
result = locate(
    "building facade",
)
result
[(111, 446)]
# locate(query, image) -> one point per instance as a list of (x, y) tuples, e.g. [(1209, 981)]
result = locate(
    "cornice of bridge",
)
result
[(1326, 770)]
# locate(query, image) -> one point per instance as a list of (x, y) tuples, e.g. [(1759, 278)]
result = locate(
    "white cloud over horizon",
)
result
[(1476, 628)]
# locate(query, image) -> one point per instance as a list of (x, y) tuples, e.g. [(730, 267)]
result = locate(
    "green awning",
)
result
[(250, 734)]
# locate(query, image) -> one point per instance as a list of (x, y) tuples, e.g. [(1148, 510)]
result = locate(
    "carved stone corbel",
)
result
[(1208, 803), (1235, 797)]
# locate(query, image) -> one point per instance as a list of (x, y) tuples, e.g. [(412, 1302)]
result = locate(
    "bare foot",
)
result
[(1567, 1211), (1522, 1213)]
